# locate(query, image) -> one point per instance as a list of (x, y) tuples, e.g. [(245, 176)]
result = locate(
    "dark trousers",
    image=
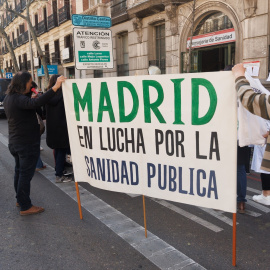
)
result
[(241, 183), (26, 157), (60, 158), (265, 177)]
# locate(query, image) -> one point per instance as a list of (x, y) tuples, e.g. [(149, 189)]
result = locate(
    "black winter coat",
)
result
[(56, 124), (22, 119)]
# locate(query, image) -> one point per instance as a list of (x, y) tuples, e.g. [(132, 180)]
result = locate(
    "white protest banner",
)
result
[(170, 137)]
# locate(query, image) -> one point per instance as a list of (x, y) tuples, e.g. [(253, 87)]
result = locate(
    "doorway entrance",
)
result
[(212, 58), (216, 58)]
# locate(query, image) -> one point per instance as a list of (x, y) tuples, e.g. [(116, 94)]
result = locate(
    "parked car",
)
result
[(3, 88)]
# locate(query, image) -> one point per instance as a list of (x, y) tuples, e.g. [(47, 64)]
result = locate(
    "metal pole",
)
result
[(31, 52)]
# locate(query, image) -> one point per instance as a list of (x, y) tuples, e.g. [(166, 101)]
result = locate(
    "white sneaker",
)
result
[(63, 179), (41, 148), (261, 199)]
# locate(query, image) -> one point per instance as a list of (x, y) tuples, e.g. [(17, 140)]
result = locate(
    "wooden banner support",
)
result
[(234, 241), (144, 215), (79, 200)]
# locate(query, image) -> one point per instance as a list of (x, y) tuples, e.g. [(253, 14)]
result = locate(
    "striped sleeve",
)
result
[(258, 104)]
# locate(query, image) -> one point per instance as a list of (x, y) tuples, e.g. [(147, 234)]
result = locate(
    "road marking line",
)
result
[(218, 215), (252, 213), (163, 255), (188, 215), (257, 205), (3, 140), (254, 190), (184, 213), (133, 195)]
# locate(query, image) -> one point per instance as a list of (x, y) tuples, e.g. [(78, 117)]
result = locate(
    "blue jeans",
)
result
[(241, 183), (39, 163), (60, 158), (26, 157)]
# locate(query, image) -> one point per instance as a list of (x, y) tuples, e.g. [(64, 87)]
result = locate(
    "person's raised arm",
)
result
[(28, 103), (258, 104)]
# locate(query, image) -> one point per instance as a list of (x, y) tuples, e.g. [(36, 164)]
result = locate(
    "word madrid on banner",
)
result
[(169, 137)]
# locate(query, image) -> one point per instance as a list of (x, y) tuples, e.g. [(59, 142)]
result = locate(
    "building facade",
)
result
[(149, 32)]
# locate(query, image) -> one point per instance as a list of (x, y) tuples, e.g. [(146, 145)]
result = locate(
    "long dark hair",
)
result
[(52, 81), (18, 82)]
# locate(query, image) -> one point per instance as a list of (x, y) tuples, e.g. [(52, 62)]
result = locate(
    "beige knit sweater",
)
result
[(258, 104)]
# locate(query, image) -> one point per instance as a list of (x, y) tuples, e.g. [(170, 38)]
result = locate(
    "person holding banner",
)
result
[(242, 154), (24, 135), (57, 133), (258, 104)]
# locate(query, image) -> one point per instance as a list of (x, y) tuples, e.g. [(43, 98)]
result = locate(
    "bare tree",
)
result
[(27, 18), (4, 35)]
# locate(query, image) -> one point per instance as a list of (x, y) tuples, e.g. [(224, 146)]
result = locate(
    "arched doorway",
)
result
[(213, 44)]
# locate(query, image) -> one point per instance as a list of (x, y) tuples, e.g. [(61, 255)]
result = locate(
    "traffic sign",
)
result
[(93, 48), (91, 21), (53, 69), (9, 75)]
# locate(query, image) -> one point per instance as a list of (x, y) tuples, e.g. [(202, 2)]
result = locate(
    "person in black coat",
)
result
[(24, 134), (57, 133)]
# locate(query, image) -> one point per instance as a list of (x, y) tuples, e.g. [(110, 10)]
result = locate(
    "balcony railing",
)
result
[(20, 40), (9, 18), (123, 70), (159, 63), (18, 7), (42, 28), (118, 7), (52, 21), (56, 58), (23, 4), (5, 23), (64, 14), (25, 37), (12, 16), (4, 50), (14, 43)]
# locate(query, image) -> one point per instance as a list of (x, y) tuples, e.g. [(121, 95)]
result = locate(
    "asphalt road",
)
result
[(58, 239)]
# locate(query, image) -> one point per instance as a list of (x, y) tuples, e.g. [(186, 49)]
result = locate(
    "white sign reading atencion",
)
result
[(93, 48)]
